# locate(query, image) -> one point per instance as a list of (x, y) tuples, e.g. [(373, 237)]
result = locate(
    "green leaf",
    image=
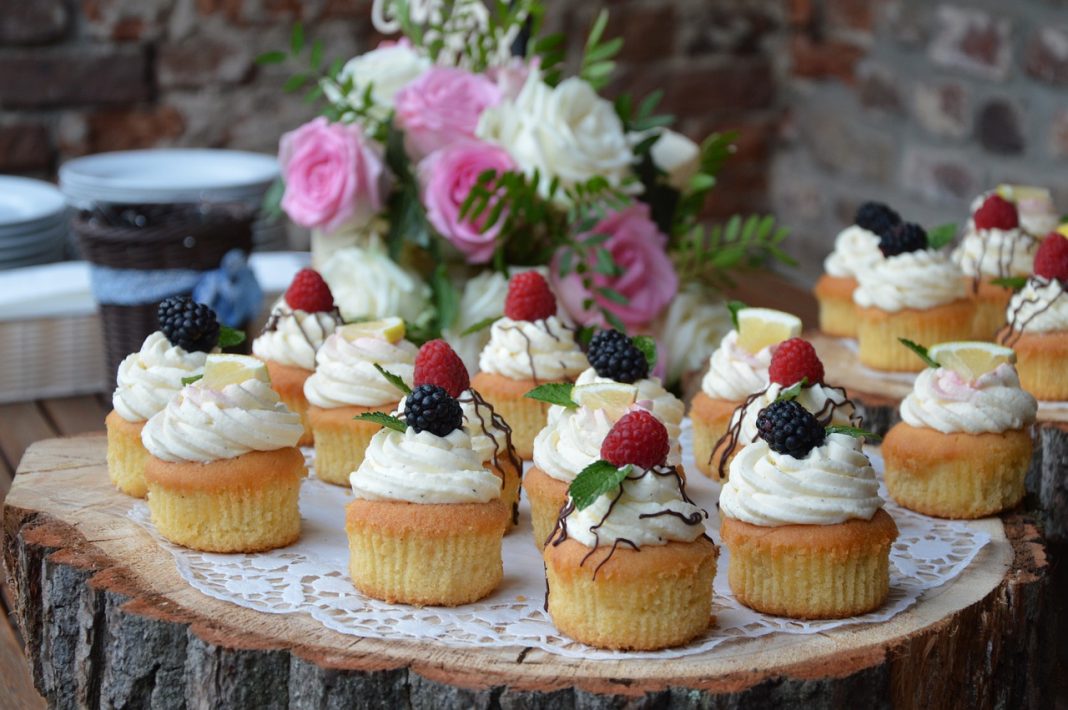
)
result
[(229, 337), (481, 325), (394, 380), (446, 297), (734, 307), (296, 38), (614, 320), (383, 419), (271, 58), (648, 347), (853, 431), (191, 379), (792, 391), (595, 480), (1013, 282), (316, 56), (584, 335), (554, 393), (294, 82), (941, 235), (613, 295), (920, 351)]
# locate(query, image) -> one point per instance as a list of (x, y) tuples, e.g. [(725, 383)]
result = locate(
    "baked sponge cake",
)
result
[(224, 472), (629, 565)]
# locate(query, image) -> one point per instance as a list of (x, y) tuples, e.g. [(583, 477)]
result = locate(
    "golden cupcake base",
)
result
[(288, 382), (837, 312), (878, 333), (711, 419), (546, 496), (126, 455), (526, 416), (341, 440), (1041, 363)]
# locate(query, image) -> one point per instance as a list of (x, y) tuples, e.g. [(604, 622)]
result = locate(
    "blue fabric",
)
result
[(231, 290), (133, 287)]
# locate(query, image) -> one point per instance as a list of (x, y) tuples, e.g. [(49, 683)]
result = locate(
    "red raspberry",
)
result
[(996, 213), (438, 364), (637, 438), (309, 293), (529, 297), (1051, 259), (793, 359)]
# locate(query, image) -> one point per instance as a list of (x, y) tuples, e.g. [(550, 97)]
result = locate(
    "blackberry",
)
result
[(189, 325), (876, 217), (613, 355), (789, 428), (430, 408), (902, 238)]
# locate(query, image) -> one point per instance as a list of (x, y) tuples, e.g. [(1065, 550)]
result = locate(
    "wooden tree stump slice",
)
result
[(109, 622)]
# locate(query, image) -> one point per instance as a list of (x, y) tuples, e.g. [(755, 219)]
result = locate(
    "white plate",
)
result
[(24, 201)]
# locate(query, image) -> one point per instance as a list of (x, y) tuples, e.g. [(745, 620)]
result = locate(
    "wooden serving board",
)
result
[(108, 621)]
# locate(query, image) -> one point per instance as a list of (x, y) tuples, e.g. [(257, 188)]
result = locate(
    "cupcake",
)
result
[(298, 326), (855, 248), (224, 472), (915, 293), (963, 446), (346, 383), (629, 565), (528, 347), (427, 521), (1037, 327), (803, 522), (737, 369), (149, 378)]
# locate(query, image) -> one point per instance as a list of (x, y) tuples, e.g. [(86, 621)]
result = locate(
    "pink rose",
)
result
[(333, 175), (447, 176), (442, 106), (647, 280)]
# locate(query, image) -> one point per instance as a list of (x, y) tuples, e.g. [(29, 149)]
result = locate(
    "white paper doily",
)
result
[(311, 577)]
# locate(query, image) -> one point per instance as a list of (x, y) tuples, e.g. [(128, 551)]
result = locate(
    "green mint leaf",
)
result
[(229, 337), (734, 307), (941, 235), (554, 393), (1013, 282), (920, 351), (481, 325), (191, 379), (648, 347), (383, 419), (394, 380), (584, 335), (595, 480), (792, 391), (853, 431)]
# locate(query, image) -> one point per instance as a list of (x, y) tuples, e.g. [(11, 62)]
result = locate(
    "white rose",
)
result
[(567, 132), (691, 329), (678, 156), (386, 69), (483, 297), (367, 284)]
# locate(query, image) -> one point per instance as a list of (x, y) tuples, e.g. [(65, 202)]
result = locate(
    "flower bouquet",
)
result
[(460, 151)]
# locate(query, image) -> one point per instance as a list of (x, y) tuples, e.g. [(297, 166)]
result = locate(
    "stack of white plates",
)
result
[(33, 222), (173, 176)]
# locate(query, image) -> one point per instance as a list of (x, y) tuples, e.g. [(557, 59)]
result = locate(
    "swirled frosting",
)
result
[(818, 399), (293, 337), (832, 484), (915, 279), (150, 377), (995, 252), (523, 350), (650, 510), (855, 248), (203, 425), (942, 400), (571, 441), (652, 396), (733, 374), (423, 468), (345, 374), (1041, 306)]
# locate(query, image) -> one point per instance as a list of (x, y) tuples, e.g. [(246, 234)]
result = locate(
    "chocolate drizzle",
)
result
[(548, 331), (272, 322), (1013, 329), (492, 428), (1005, 256)]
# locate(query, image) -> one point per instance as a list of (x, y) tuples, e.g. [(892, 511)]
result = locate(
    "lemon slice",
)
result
[(613, 396), (971, 359), (760, 327), (1015, 193), (389, 329), (1063, 230), (221, 370)]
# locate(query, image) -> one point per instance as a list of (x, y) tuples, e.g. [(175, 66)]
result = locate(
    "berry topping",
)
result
[(309, 293), (615, 356), (901, 238), (430, 408), (876, 217), (529, 297), (189, 325), (789, 428), (438, 364), (1051, 259), (793, 359), (637, 438), (996, 213)]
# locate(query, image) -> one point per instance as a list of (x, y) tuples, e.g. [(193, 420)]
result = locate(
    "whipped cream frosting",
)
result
[(292, 337), (150, 377), (942, 400), (996, 253), (203, 425), (345, 374), (832, 484), (734, 374), (855, 248), (489, 438), (1041, 306), (541, 350), (571, 441), (916, 279), (821, 400), (652, 396), (424, 468), (651, 509)]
